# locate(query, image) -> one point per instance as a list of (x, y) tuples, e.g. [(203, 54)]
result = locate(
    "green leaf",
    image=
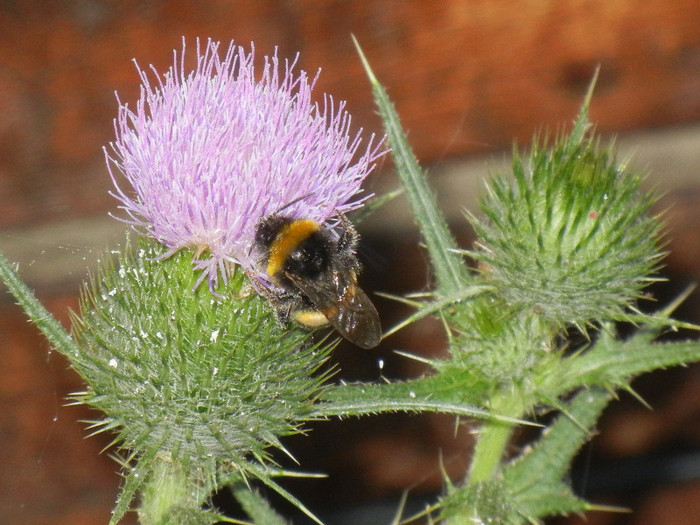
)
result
[(450, 270), (444, 301), (545, 494), (431, 394), (374, 204), (531, 487), (263, 474), (40, 316), (256, 506), (133, 481), (611, 363)]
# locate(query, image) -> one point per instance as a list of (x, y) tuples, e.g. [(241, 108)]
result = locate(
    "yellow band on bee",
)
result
[(288, 238)]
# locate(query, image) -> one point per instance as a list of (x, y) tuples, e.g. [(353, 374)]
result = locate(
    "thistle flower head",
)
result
[(210, 152)]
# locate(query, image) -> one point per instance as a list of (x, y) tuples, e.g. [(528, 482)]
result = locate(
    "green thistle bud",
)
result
[(571, 240), (205, 382)]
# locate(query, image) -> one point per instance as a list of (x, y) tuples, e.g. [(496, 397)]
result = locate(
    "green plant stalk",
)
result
[(493, 437), (168, 488)]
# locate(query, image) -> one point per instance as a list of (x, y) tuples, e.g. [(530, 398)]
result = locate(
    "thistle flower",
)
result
[(211, 152)]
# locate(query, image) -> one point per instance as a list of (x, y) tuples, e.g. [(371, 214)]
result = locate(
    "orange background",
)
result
[(468, 77)]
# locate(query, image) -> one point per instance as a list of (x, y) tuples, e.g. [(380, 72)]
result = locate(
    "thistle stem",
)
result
[(493, 438), (167, 488)]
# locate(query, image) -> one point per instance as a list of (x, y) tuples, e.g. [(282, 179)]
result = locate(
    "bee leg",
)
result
[(280, 302), (348, 236), (282, 305), (283, 311)]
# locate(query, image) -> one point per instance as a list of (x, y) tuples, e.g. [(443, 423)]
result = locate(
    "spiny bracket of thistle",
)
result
[(571, 240), (205, 384)]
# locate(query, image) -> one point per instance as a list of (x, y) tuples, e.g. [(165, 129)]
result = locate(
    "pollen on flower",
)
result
[(207, 153)]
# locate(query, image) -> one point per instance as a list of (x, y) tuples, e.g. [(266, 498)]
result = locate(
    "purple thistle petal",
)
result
[(211, 152)]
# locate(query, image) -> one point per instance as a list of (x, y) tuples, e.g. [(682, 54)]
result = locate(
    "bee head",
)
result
[(268, 228)]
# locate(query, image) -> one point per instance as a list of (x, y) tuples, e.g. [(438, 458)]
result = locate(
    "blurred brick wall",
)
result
[(466, 77)]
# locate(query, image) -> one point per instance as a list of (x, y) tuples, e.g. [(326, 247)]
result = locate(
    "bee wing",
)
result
[(346, 306), (357, 319)]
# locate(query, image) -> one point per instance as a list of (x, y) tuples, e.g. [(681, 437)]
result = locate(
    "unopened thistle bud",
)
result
[(571, 239)]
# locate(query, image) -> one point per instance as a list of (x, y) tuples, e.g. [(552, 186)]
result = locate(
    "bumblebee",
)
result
[(314, 271)]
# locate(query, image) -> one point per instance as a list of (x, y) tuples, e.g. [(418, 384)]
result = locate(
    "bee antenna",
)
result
[(290, 203)]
